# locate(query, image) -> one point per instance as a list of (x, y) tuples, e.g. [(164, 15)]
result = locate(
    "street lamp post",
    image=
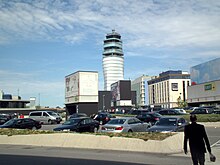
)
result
[(103, 101)]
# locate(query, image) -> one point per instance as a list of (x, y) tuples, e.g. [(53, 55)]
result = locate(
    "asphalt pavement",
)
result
[(20, 155), (12, 154)]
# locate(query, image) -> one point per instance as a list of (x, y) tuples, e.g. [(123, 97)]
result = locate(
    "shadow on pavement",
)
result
[(37, 160)]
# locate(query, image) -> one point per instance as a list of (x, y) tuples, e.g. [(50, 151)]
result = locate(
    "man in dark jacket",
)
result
[(197, 139)]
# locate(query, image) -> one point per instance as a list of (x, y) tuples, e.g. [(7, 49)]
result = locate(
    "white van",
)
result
[(45, 117)]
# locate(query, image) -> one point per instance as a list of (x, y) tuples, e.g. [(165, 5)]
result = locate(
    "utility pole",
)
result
[(39, 99)]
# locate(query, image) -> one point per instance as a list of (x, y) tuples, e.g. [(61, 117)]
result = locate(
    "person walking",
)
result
[(197, 137)]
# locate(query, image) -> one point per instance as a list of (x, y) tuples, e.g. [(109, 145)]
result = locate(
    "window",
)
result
[(35, 114), (83, 122), (131, 121), (88, 121), (45, 114), (174, 86), (137, 120)]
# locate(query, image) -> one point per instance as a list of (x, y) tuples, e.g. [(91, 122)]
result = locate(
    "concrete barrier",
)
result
[(172, 144)]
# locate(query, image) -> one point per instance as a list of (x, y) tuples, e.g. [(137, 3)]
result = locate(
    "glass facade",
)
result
[(205, 72)]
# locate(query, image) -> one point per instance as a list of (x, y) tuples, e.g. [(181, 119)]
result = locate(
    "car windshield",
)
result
[(167, 121), (72, 122), (117, 121), (78, 115), (52, 113), (157, 115), (10, 122)]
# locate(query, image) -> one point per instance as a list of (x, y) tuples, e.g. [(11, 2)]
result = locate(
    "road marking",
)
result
[(216, 143)]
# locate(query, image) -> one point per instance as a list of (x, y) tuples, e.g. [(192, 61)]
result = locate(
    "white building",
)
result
[(81, 92), (141, 87), (113, 60), (165, 89)]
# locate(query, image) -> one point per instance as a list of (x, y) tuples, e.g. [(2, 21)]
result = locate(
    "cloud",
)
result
[(143, 23)]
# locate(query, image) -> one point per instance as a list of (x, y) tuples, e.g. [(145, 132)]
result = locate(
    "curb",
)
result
[(170, 145)]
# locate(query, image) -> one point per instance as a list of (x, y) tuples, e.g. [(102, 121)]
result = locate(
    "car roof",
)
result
[(21, 118), (80, 117), (153, 112), (123, 118), (41, 111), (177, 117)]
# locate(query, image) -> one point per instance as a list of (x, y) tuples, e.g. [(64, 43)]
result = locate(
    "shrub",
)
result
[(205, 117)]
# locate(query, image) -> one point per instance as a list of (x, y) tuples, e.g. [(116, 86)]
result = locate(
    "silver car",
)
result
[(125, 124)]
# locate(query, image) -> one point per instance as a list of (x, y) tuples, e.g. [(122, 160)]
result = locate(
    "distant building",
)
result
[(141, 87), (122, 96), (8, 101), (165, 89), (81, 92), (205, 72), (13, 104), (32, 102), (105, 98), (113, 60), (205, 89)]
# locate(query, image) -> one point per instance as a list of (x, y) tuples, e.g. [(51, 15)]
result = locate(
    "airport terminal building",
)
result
[(205, 88)]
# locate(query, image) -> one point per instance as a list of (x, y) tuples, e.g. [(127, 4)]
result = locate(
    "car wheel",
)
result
[(50, 121), (95, 129), (130, 130)]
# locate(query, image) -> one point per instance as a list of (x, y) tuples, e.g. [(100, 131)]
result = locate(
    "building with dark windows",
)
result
[(165, 90), (14, 104), (205, 88), (113, 60)]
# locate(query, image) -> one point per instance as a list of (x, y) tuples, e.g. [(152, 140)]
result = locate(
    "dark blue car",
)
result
[(80, 124), (26, 123)]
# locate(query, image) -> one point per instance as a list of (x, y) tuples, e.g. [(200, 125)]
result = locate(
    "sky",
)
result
[(42, 41)]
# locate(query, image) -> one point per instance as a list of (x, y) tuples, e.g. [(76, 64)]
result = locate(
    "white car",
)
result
[(125, 124)]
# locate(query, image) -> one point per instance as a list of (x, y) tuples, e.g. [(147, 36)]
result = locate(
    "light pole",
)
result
[(39, 99), (103, 102)]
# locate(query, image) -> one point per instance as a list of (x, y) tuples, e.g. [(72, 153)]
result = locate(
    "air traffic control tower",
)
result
[(113, 60)]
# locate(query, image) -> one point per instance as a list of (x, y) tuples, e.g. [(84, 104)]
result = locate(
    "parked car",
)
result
[(125, 124), (149, 117), (169, 112), (103, 117), (181, 111), (138, 111), (45, 117), (4, 118), (79, 124), (26, 123), (77, 115), (169, 124), (202, 111), (193, 108)]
